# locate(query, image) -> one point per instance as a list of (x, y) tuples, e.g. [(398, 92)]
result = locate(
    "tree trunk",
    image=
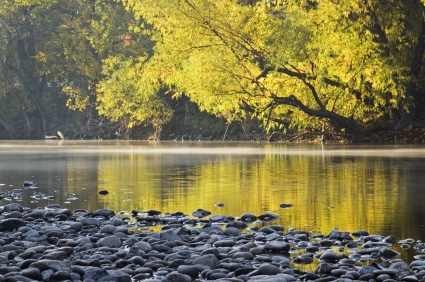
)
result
[(9, 128)]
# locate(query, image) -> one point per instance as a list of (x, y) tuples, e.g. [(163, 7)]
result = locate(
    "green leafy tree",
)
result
[(292, 63)]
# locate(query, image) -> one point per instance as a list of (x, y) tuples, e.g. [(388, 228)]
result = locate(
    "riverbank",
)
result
[(56, 244)]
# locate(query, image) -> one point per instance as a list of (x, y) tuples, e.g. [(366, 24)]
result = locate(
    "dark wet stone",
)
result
[(360, 233), (312, 249), (390, 239), (237, 224), (175, 276), (267, 230), (387, 253), (277, 246), (104, 213), (94, 273), (18, 278), (191, 270), (30, 183), (109, 229), (32, 272), (366, 270), (34, 236), (341, 236), (224, 243), (217, 218), (45, 264), (303, 259), (310, 276), (330, 256), (277, 228), (338, 272), (324, 268), (114, 275), (326, 243), (284, 206), (13, 207), (11, 224), (208, 260), (61, 275), (243, 255), (90, 221), (200, 213), (169, 235), (248, 217), (232, 232), (410, 278), (400, 265), (265, 269), (268, 217), (35, 214)]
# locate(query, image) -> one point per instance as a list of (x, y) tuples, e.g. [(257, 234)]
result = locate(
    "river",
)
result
[(346, 187)]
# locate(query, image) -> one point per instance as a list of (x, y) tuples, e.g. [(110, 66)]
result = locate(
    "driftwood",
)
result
[(58, 136)]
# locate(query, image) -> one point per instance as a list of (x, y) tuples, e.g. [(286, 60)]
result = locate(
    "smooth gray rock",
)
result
[(191, 270), (208, 260), (110, 241), (90, 221), (109, 229), (94, 273), (114, 275), (32, 272), (232, 232), (175, 276), (277, 246), (13, 207), (104, 213)]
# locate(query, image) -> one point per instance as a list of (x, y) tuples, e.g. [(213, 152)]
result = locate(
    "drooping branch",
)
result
[(291, 100)]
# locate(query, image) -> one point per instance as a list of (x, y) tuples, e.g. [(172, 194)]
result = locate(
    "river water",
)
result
[(351, 187)]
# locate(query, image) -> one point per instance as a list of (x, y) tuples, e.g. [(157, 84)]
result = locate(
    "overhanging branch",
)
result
[(321, 113)]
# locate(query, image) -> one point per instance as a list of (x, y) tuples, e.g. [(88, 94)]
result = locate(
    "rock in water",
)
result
[(268, 217), (200, 213), (248, 217), (30, 183)]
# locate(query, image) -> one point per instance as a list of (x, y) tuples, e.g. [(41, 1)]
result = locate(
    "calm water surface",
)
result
[(376, 188)]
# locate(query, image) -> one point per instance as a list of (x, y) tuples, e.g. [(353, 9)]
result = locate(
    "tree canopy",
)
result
[(347, 65), (290, 63)]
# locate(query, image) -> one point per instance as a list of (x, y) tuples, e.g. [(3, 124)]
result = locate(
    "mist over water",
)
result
[(376, 188)]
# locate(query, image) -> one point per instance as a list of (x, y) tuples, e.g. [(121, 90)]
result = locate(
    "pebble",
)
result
[(55, 244)]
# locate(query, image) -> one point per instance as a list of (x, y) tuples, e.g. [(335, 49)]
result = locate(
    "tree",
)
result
[(293, 63), (72, 55), (127, 92), (21, 84)]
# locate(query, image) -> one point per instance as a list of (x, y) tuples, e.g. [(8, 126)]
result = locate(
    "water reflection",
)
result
[(351, 187)]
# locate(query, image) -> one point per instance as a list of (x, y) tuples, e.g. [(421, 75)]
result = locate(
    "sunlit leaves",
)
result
[(127, 95), (349, 58)]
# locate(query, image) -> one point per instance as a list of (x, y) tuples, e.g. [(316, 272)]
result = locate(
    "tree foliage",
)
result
[(299, 64), (295, 63)]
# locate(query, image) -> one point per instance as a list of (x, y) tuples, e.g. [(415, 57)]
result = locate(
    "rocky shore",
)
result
[(56, 244)]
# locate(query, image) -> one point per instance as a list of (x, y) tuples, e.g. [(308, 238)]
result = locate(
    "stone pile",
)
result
[(55, 244)]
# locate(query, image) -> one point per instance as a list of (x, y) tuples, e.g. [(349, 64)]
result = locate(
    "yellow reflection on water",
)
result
[(326, 190)]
